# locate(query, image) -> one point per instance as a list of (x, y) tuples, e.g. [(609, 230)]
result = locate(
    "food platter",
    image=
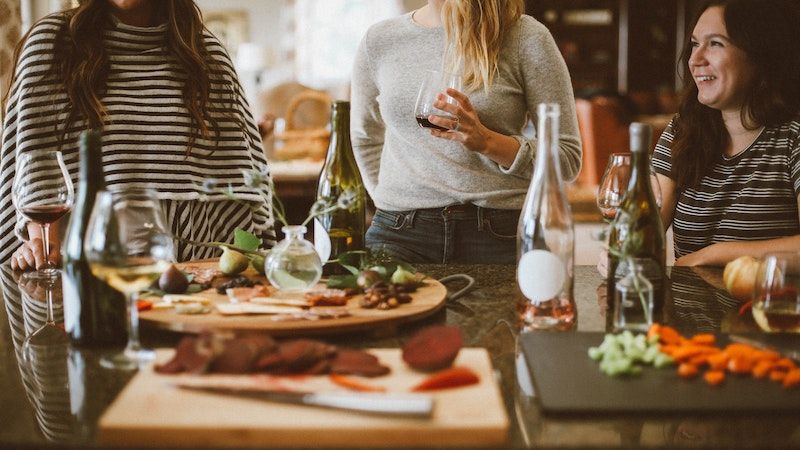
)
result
[(427, 300)]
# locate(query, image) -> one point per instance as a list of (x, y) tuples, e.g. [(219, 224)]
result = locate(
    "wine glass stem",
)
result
[(48, 292), (133, 324), (45, 227)]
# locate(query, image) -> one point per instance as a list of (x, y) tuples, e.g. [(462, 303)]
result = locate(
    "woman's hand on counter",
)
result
[(470, 132)]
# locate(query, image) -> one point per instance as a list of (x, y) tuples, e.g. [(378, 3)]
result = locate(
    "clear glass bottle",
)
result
[(633, 300), (546, 237), (341, 230), (637, 232), (293, 265)]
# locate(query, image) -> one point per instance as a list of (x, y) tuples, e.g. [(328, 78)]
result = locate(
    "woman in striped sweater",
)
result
[(729, 163), (173, 115)]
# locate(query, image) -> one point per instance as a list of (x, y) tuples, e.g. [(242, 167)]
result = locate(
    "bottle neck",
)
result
[(294, 231), (547, 148), (340, 134), (640, 172)]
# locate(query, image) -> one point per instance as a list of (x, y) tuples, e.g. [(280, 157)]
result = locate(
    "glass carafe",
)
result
[(633, 299), (293, 265)]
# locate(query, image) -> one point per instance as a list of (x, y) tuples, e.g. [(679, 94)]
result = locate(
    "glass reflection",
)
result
[(36, 315)]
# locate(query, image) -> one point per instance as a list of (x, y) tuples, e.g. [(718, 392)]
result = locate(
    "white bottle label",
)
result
[(322, 242), (541, 275)]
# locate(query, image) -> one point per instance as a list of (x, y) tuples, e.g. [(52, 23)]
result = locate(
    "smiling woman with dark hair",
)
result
[(163, 90), (729, 163)]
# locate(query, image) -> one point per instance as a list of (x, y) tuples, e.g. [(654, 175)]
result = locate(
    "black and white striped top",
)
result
[(145, 141), (751, 196)]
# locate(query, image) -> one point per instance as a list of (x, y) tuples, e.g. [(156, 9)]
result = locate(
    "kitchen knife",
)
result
[(789, 353), (409, 405)]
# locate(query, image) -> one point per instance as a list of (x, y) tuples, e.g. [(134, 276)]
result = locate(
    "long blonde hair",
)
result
[(475, 30)]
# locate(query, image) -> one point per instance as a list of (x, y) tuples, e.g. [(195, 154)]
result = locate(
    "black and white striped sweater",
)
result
[(145, 141), (747, 197)]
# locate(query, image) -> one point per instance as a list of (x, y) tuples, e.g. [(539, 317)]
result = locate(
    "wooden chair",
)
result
[(603, 132)]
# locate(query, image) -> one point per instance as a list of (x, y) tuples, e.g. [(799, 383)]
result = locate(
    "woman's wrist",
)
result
[(500, 148)]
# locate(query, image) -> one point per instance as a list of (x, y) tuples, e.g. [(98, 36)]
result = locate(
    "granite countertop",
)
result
[(66, 413)]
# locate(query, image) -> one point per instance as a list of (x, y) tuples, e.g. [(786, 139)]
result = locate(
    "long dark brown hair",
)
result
[(82, 63), (767, 32)]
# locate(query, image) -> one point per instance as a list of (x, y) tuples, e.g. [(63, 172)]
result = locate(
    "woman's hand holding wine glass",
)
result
[(42, 193), (128, 246)]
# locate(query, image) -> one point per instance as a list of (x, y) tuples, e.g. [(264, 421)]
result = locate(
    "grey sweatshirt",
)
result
[(404, 167)]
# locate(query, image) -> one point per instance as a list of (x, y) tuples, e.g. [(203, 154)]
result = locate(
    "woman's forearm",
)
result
[(722, 253)]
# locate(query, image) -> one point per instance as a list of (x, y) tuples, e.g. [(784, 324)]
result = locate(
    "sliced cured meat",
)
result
[(433, 348), (357, 362)]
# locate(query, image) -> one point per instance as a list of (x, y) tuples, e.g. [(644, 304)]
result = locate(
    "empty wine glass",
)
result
[(128, 246), (42, 192), (435, 83), (614, 185)]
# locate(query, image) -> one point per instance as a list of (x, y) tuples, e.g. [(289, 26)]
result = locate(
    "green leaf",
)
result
[(342, 281), (245, 239), (352, 261)]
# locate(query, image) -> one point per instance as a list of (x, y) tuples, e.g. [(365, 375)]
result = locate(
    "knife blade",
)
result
[(791, 354), (408, 405)]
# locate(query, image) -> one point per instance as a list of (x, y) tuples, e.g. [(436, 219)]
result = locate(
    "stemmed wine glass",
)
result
[(435, 83), (614, 185), (128, 246), (43, 192), (49, 333)]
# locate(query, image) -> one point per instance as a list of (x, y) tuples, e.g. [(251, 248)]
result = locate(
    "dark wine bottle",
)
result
[(636, 236), (94, 313), (341, 230)]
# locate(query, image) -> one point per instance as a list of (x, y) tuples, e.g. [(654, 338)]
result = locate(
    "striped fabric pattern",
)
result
[(145, 142), (750, 196)]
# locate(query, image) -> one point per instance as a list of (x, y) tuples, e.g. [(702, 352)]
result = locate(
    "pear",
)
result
[(404, 277), (232, 262), (258, 263)]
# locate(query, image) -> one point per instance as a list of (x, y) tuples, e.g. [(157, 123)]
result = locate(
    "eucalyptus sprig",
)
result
[(348, 200)]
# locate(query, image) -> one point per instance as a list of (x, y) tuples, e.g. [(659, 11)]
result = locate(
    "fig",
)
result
[(257, 262), (367, 278), (173, 281), (404, 277), (232, 262)]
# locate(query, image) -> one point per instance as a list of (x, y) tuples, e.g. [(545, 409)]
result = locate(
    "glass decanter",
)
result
[(633, 299), (293, 265)]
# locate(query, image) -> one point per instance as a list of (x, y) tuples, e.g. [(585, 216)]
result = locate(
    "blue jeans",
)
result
[(453, 234)]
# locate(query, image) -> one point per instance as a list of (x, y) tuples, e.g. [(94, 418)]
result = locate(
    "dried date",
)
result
[(234, 283)]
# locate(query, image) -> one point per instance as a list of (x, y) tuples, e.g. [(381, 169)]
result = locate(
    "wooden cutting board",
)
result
[(425, 301), (151, 412), (567, 380)]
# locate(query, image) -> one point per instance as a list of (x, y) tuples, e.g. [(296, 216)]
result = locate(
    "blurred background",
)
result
[(295, 56)]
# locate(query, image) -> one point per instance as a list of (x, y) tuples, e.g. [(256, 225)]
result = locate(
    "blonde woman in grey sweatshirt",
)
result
[(454, 195)]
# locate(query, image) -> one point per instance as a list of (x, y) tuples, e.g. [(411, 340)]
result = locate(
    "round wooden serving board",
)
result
[(428, 299)]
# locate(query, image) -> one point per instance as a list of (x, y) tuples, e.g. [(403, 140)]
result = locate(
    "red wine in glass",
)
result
[(42, 193), (434, 84), (425, 123), (45, 213)]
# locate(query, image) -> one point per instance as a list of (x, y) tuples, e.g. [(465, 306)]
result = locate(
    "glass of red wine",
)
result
[(435, 83), (43, 193)]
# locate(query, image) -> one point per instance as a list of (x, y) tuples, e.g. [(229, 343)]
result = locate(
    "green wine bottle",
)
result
[(94, 313), (341, 230), (637, 233)]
